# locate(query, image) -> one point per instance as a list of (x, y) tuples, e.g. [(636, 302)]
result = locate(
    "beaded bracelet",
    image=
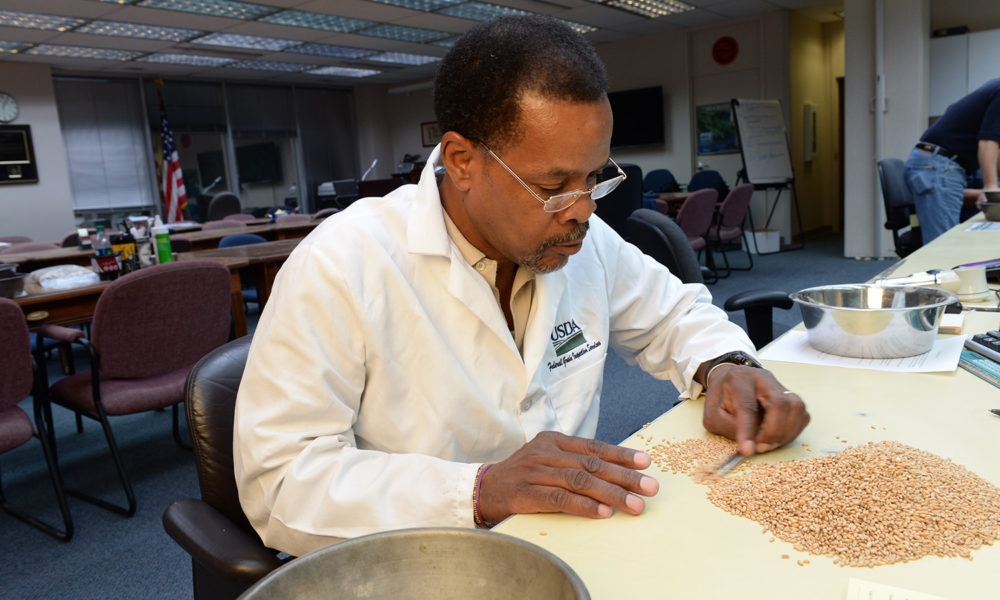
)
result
[(478, 518)]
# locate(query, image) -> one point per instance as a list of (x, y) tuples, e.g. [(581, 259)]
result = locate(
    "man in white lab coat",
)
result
[(435, 357)]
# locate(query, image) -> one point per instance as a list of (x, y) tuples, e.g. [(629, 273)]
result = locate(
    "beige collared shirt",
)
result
[(521, 294)]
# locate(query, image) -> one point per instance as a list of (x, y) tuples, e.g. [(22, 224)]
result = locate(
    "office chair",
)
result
[(695, 218), (660, 181), (728, 225), (898, 201), (224, 223), (223, 204), (227, 555), (239, 217), (15, 239), (659, 237), (149, 328), (244, 239), (18, 378), (16, 247), (615, 208), (708, 179)]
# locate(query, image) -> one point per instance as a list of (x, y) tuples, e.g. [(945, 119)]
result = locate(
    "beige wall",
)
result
[(815, 61), (42, 211)]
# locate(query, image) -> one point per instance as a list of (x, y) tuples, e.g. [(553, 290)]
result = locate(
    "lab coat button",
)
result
[(480, 266), (525, 404)]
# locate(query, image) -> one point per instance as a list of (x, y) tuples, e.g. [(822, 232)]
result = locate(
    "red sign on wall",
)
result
[(724, 50)]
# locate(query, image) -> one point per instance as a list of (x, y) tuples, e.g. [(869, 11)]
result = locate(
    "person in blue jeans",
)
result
[(964, 139)]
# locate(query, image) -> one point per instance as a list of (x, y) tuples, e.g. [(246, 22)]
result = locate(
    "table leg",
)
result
[(236, 304)]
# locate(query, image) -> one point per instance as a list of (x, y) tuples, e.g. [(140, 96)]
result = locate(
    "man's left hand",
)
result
[(748, 405)]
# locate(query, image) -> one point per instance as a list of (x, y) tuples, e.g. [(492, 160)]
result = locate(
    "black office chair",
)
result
[(660, 181), (627, 197), (898, 202), (227, 555), (709, 179), (222, 204), (658, 236)]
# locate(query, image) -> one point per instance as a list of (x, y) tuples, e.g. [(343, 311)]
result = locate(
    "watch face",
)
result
[(8, 108)]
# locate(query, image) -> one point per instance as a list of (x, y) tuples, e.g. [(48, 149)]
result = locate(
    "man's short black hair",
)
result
[(481, 80)]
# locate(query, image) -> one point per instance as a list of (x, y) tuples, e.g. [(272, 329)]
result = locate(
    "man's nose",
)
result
[(579, 211)]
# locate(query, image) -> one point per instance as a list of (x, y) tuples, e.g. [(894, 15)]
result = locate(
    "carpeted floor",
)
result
[(115, 557)]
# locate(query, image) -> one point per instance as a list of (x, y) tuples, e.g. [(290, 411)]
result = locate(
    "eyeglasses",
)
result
[(563, 201)]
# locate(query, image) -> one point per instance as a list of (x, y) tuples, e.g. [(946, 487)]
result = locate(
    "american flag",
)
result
[(174, 195)]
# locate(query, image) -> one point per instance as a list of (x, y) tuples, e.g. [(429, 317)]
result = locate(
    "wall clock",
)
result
[(8, 108)]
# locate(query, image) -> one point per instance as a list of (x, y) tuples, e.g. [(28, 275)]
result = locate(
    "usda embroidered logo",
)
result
[(567, 336)]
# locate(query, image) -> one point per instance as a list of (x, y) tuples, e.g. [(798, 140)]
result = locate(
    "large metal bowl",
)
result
[(413, 564), (11, 285), (869, 321)]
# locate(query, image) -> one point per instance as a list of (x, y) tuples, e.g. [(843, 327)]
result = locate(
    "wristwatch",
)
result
[(734, 358)]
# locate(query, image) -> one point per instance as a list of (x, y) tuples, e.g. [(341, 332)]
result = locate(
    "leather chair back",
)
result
[(658, 236), (210, 405)]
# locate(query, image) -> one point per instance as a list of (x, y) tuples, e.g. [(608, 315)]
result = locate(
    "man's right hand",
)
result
[(559, 473)]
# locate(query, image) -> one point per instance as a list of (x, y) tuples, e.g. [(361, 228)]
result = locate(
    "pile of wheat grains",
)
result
[(868, 505)]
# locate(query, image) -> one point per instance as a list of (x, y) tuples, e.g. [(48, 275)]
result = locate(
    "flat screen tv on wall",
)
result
[(638, 117), (259, 163)]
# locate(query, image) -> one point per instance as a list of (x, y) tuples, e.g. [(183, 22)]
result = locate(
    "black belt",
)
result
[(935, 149)]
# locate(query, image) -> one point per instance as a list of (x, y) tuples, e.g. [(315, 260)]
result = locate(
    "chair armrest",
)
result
[(754, 298), (58, 332), (216, 542)]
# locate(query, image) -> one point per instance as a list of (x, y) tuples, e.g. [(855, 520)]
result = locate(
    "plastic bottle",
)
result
[(123, 245), (164, 253), (104, 262)]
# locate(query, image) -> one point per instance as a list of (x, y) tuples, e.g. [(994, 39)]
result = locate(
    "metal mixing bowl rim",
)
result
[(947, 297)]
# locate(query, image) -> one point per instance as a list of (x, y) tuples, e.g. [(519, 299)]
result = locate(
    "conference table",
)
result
[(672, 201), (207, 239), (259, 263), (683, 546), (76, 305)]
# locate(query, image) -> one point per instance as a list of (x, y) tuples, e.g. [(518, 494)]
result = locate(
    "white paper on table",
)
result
[(794, 347), (859, 589), (984, 226)]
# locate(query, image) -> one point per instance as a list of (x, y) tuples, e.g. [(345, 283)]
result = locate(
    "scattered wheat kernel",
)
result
[(843, 441), (771, 540), (805, 562), (798, 562), (873, 427), (784, 556), (543, 533)]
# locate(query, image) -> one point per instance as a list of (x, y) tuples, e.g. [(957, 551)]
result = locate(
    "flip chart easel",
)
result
[(767, 160)]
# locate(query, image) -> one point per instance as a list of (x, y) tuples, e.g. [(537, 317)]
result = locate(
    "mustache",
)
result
[(577, 233)]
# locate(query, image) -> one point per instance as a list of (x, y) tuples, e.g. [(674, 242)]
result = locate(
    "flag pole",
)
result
[(173, 194)]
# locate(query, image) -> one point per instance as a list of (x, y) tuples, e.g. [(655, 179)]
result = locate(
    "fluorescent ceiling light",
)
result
[(271, 65), (331, 51), (27, 20), (121, 1), (447, 42), (311, 20), (424, 5), (138, 30), (480, 11), (233, 40), (403, 58), (343, 72), (579, 27), (187, 59), (218, 8), (13, 47), (404, 34), (83, 52), (648, 8)]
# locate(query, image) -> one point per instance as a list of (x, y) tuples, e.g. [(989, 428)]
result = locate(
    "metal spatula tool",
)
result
[(729, 464)]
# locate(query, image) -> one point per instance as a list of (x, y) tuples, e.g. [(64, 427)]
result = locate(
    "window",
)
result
[(109, 158)]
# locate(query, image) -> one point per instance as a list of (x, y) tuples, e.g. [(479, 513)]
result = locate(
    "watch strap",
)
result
[(731, 358)]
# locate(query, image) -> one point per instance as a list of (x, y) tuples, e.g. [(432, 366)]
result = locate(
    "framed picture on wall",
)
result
[(716, 132), (430, 134)]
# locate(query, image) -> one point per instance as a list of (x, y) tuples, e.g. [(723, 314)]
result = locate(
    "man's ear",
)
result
[(459, 157)]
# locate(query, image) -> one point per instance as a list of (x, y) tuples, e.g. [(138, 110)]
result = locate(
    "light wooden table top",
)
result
[(683, 546)]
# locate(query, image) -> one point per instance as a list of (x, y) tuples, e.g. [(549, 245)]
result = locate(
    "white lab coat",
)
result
[(382, 372)]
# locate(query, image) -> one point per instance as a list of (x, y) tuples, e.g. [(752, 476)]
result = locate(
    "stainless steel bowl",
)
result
[(11, 285), (416, 564), (869, 321)]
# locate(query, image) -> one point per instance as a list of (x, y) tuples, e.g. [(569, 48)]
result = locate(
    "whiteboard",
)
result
[(763, 141)]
